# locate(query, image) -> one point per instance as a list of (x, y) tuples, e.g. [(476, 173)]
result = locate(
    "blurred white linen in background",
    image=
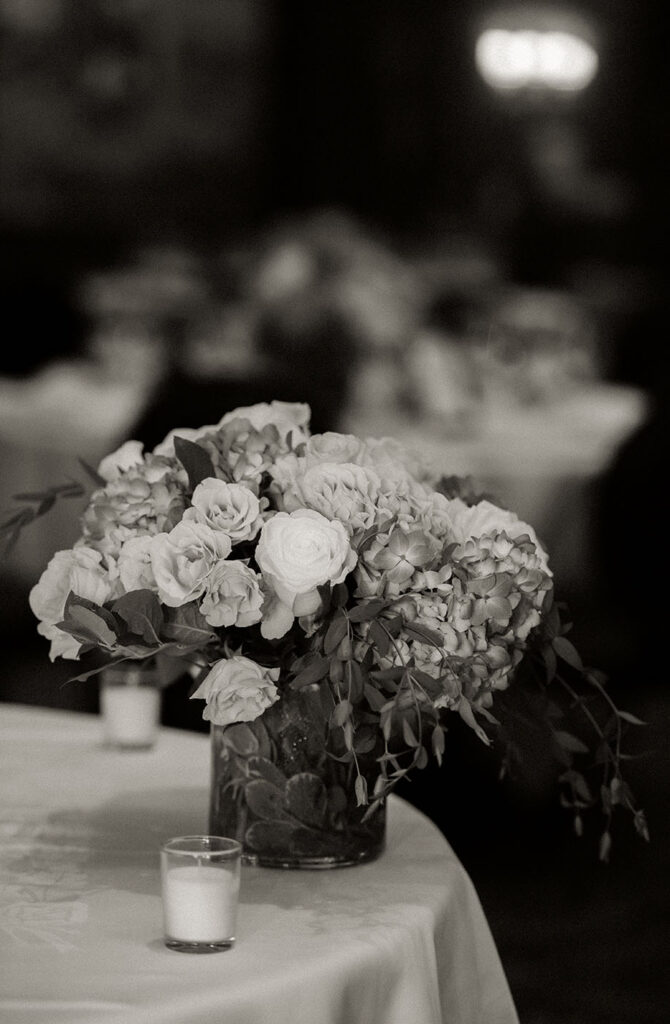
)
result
[(65, 412), (539, 460)]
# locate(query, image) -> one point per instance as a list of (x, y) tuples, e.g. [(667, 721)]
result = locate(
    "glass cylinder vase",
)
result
[(289, 803)]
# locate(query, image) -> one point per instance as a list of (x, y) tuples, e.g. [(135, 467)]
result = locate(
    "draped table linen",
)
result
[(402, 940)]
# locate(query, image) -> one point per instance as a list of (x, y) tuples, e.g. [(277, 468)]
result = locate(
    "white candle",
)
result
[(200, 903), (130, 714)]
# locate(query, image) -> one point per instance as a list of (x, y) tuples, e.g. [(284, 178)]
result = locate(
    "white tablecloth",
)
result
[(402, 940)]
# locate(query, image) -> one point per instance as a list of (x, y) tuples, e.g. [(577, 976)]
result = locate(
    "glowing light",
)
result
[(523, 58)]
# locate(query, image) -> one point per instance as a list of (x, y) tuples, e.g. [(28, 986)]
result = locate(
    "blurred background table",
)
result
[(49, 421), (541, 461), (401, 939)]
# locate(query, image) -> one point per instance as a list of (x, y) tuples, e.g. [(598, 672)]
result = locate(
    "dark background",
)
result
[(199, 124)]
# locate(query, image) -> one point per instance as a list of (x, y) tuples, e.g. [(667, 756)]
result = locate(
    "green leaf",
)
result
[(262, 738), (267, 770), (424, 633), (187, 626), (569, 742), (467, 714), (265, 800), (356, 679), (270, 837), (375, 699), (36, 496), (394, 624), (344, 649), (430, 684), (631, 719), (169, 669), (313, 672), (195, 460), (605, 847), (326, 700), (379, 638), (365, 739), (337, 801), (582, 788), (568, 652), (366, 612), (437, 743), (339, 595), (367, 537), (241, 739), (46, 505), (306, 798), (92, 624), (388, 675), (408, 734), (341, 713), (361, 790), (134, 652), (83, 602), (83, 676), (141, 611), (336, 632), (18, 518), (640, 823), (98, 480), (336, 672)]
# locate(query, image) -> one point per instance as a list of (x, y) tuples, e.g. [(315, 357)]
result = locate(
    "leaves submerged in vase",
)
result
[(278, 812)]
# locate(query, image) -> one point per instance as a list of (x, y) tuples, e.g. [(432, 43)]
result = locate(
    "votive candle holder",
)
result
[(200, 879)]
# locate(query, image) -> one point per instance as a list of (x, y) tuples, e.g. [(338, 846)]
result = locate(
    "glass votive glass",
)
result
[(130, 701), (200, 879)]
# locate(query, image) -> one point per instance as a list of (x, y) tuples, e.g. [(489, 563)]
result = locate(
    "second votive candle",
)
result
[(200, 878)]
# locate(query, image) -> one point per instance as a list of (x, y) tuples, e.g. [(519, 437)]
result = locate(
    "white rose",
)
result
[(237, 690), (183, 559), (234, 596), (79, 570), (62, 644), (340, 491), (231, 508), (333, 447), (134, 564), (128, 455), (297, 553)]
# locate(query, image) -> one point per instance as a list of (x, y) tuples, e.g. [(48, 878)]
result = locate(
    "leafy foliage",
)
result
[(34, 505)]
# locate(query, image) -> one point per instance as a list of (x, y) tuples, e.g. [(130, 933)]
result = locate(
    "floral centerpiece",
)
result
[(336, 606)]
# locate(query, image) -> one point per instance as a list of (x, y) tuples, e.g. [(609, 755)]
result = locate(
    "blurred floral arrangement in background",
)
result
[(267, 561), (440, 333)]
